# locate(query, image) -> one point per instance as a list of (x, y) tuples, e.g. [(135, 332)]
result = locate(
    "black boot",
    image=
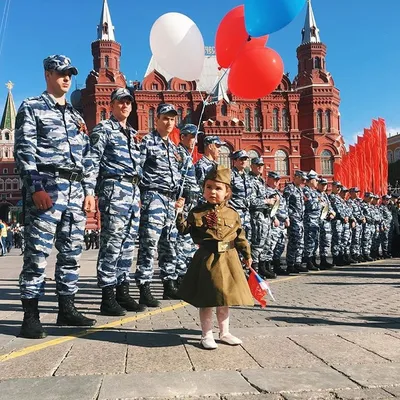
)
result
[(170, 290), (291, 269), (324, 264), (126, 301), (264, 270), (310, 265), (278, 269), (314, 260), (361, 258), (346, 259), (179, 281), (300, 268), (338, 260), (31, 327), (69, 315), (146, 297), (367, 258), (352, 260), (109, 305)]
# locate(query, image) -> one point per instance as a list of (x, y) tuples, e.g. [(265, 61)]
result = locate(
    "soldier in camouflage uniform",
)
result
[(158, 190), (376, 237), (275, 244), (358, 218), (212, 145), (386, 225), (347, 228), (325, 226), (242, 190), (312, 218), (185, 247), (293, 194), (260, 219), (341, 218), (116, 161), (368, 226), (52, 153)]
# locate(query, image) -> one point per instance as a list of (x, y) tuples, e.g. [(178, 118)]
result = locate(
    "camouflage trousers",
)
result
[(245, 219), (385, 237), (337, 234), (63, 224), (276, 242), (157, 233), (355, 248), (346, 239), (120, 212), (295, 245), (366, 240), (325, 238), (260, 229), (185, 248), (376, 239), (311, 237)]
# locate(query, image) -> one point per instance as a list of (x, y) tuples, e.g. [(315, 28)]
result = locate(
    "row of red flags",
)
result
[(365, 165)]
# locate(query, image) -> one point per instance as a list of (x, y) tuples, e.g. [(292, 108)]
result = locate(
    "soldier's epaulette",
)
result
[(33, 98)]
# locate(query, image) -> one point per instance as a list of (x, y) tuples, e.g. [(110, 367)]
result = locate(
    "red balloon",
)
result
[(256, 72), (232, 36)]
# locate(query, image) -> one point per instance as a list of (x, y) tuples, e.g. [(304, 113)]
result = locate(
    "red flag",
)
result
[(384, 160)]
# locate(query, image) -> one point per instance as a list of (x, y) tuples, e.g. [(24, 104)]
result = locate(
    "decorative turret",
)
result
[(310, 32), (9, 114), (105, 30)]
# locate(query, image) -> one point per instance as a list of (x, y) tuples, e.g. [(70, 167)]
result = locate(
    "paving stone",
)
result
[(156, 352), (395, 390), (225, 357), (310, 396), (51, 388), (100, 353), (297, 379), (261, 396), (38, 364), (370, 375), (173, 385), (363, 394), (279, 352), (385, 345), (335, 350)]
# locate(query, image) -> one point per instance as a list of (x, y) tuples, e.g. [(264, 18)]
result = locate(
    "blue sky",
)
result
[(361, 35)]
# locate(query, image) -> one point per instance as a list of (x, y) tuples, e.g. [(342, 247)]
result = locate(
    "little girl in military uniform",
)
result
[(215, 276)]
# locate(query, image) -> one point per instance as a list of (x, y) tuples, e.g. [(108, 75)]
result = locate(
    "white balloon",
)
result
[(178, 46)]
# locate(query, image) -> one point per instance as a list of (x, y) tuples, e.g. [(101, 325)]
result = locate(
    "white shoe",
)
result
[(208, 343), (228, 338)]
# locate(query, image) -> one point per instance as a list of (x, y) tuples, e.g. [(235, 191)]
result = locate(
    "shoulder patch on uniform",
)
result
[(94, 138)]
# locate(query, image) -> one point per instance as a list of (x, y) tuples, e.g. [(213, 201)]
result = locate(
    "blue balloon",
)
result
[(263, 17)]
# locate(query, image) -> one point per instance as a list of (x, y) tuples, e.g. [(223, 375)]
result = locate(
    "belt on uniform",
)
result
[(169, 193), (133, 179), (69, 175), (217, 246)]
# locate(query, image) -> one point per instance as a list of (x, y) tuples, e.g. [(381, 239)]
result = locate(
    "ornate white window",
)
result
[(282, 163), (327, 162), (224, 159)]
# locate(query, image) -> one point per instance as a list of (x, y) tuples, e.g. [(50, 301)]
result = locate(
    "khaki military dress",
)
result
[(215, 276)]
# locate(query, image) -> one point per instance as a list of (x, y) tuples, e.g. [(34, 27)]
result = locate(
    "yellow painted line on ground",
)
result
[(87, 332)]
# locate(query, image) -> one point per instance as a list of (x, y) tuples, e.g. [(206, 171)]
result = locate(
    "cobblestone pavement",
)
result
[(329, 335)]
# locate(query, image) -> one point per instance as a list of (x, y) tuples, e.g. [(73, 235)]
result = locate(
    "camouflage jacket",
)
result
[(295, 201), (243, 193), (356, 210), (115, 150), (202, 167), (339, 206), (47, 135), (387, 216), (312, 204), (191, 189), (160, 164)]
